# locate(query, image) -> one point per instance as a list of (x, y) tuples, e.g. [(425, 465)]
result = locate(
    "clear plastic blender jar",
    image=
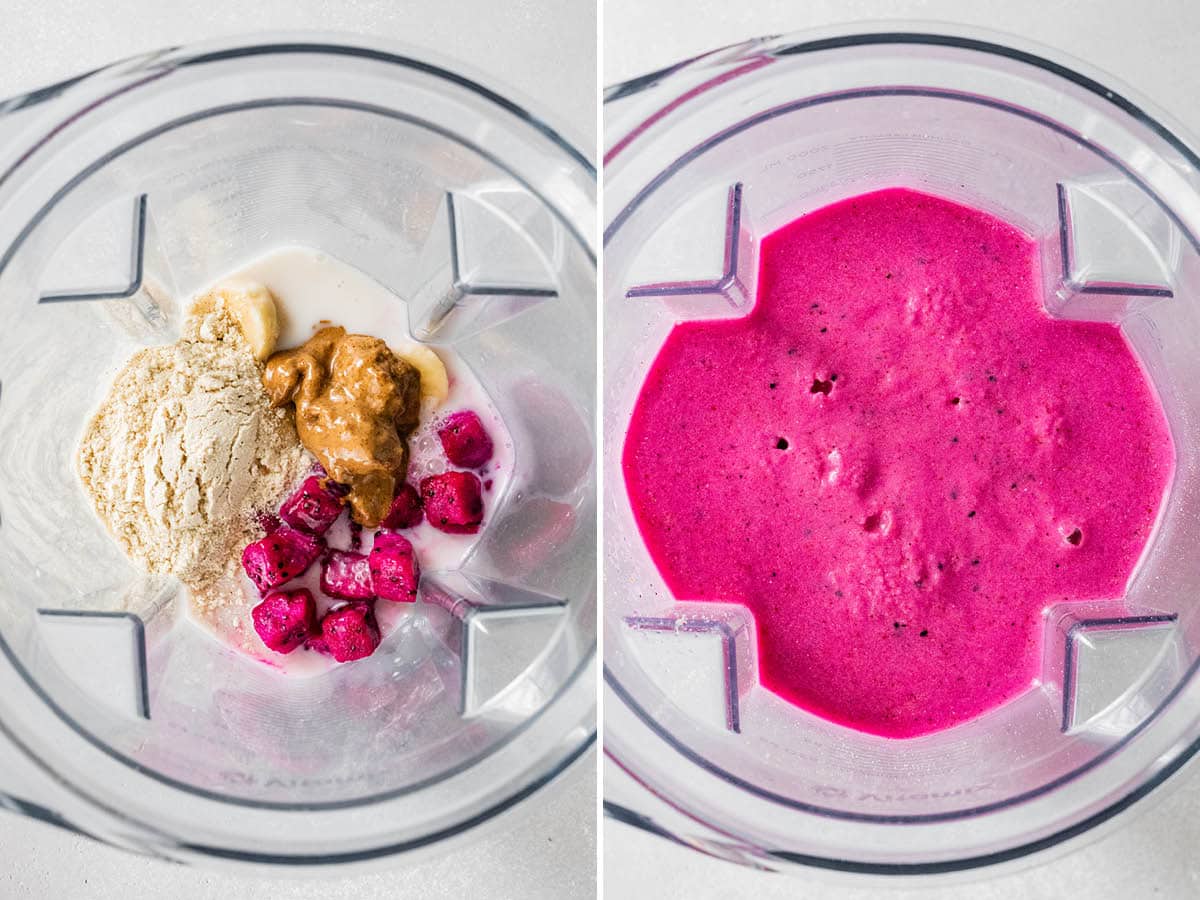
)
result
[(705, 158), (123, 192)]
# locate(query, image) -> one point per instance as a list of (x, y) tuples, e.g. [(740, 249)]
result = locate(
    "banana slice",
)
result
[(435, 384), (253, 307)]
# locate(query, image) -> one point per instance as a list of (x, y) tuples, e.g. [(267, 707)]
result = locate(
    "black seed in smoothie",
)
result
[(1075, 538), (781, 444), (821, 387), (924, 632)]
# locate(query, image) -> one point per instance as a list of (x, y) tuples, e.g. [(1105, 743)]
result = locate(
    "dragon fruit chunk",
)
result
[(347, 576), (313, 507), (268, 522), (279, 557), (453, 502), (395, 572), (348, 632), (465, 440), (406, 511), (318, 644), (285, 619)]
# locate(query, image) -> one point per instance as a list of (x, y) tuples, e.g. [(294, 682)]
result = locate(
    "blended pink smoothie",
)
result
[(896, 461)]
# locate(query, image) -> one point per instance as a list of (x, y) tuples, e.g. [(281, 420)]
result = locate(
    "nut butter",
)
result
[(356, 404)]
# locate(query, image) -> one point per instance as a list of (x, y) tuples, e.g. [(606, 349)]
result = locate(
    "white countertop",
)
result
[(1149, 45), (547, 51)]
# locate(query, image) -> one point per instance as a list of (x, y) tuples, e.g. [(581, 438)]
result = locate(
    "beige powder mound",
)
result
[(184, 447)]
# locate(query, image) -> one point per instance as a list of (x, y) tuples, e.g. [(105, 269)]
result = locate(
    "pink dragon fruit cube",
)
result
[(406, 511), (285, 619), (318, 644), (465, 440), (268, 522), (453, 502), (395, 572), (314, 506), (279, 557), (347, 575), (348, 632)]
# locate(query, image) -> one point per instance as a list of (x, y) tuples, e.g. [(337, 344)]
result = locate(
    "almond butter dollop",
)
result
[(356, 403)]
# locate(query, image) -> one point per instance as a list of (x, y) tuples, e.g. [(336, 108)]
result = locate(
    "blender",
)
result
[(124, 191), (705, 158)]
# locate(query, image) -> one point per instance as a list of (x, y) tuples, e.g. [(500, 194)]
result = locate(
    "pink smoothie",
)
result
[(896, 461)]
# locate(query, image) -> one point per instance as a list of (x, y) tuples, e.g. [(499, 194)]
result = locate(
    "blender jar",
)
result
[(704, 159), (123, 192)]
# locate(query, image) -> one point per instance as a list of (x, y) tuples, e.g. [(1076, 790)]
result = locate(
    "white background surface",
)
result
[(1151, 45), (547, 50)]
